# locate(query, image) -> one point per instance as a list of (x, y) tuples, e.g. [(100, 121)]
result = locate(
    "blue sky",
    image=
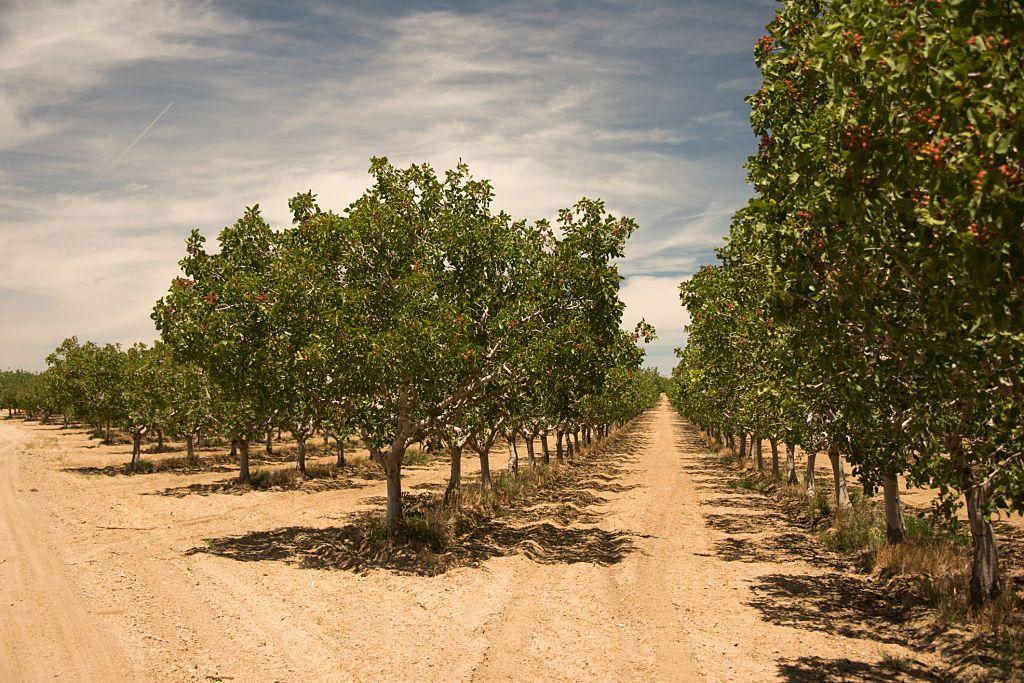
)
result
[(639, 103)]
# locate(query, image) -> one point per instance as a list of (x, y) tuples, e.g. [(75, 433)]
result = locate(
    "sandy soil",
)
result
[(665, 574)]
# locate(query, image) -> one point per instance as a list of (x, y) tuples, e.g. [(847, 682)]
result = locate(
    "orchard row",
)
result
[(870, 300), (416, 314)]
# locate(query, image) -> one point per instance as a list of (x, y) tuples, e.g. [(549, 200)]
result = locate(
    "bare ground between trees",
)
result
[(644, 566)]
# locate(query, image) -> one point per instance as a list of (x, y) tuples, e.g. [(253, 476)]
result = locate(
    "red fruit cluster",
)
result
[(855, 41), (978, 231), (929, 150), (210, 298), (857, 137), (1012, 175)]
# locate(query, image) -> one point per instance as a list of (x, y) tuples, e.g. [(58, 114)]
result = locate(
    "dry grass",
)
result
[(507, 488)]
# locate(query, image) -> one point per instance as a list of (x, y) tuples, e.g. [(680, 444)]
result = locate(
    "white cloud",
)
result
[(50, 52), (550, 104)]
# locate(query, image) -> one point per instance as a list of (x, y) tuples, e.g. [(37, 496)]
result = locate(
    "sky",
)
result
[(124, 125)]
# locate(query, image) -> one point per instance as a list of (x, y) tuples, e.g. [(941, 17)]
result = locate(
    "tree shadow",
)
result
[(818, 669), (165, 466), (233, 486), (351, 547), (834, 603)]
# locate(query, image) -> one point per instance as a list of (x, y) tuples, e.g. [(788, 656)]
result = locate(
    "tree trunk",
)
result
[(485, 467), (300, 454), (340, 443), (107, 436), (791, 477), (731, 440), (393, 470), (985, 584), (136, 450), (190, 448), (513, 454), (576, 442), (451, 494), (545, 454), (270, 442), (758, 455), (743, 446), (809, 477), (895, 530), (558, 444), (838, 478), (775, 459), (234, 448), (279, 434), (159, 441), (65, 426), (530, 455), (243, 461)]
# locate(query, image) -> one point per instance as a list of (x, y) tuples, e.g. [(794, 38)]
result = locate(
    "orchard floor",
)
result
[(680, 578)]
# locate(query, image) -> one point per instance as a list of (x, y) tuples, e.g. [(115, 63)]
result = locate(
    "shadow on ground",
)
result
[(760, 528), (818, 669)]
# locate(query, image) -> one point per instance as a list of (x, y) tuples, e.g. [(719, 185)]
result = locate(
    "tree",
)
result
[(217, 317)]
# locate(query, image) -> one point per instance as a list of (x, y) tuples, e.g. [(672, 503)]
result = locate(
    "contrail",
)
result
[(129, 147)]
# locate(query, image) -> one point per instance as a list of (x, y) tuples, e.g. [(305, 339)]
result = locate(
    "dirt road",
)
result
[(665, 573)]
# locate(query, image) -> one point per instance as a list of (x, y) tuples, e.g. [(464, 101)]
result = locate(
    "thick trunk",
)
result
[(393, 470), (758, 455), (136, 450), (340, 443), (278, 433), (107, 436), (985, 584), (243, 461), (270, 443), (485, 467), (895, 530), (65, 425), (300, 454), (718, 439), (743, 445), (190, 448), (530, 455), (809, 476), (775, 458), (558, 444), (451, 494), (576, 442), (159, 441), (731, 440), (545, 454), (838, 479), (791, 477), (513, 454), (234, 448)]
